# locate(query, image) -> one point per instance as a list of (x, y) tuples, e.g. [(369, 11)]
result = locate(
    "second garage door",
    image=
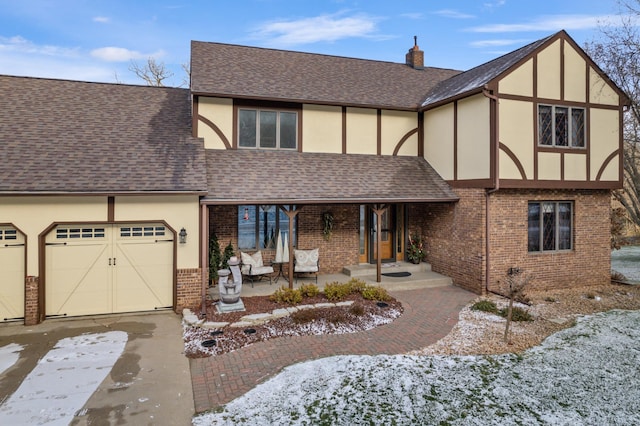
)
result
[(12, 273), (101, 269)]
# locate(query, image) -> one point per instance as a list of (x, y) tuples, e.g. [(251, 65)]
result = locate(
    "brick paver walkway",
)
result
[(429, 314)]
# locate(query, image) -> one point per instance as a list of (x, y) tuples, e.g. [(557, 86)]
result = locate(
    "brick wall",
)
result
[(340, 250), (455, 237), (31, 300), (189, 289), (588, 263)]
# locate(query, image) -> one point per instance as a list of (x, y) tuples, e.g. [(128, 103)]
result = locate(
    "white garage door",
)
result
[(108, 269), (12, 273)]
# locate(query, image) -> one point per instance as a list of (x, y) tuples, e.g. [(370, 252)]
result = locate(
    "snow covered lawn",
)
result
[(585, 375), (627, 262)]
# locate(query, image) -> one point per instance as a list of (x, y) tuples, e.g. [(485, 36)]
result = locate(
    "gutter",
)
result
[(496, 185)]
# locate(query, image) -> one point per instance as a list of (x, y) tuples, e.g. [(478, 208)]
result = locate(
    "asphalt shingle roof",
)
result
[(477, 77), (257, 73), (60, 136), (281, 177)]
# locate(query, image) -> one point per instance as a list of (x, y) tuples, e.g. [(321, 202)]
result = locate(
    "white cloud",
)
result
[(547, 23), (121, 54), (497, 42), (22, 45), (101, 19), (412, 15), (451, 13), (496, 3), (315, 29)]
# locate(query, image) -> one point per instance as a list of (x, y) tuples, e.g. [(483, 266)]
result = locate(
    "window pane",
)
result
[(247, 128), (577, 127), (548, 226), (268, 129), (267, 227), (534, 227), (288, 129), (545, 127), (246, 227), (562, 124), (564, 225)]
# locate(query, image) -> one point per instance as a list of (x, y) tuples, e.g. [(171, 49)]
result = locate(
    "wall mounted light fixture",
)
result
[(182, 236)]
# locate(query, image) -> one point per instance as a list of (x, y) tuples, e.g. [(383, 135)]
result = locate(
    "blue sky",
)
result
[(97, 40)]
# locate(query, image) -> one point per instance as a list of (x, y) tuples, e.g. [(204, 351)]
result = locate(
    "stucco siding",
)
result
[(438, 140), (219, 111), (322, 128), (473, 138)]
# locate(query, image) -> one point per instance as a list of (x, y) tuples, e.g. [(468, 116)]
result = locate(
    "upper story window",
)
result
[(267, 129), (560, 126)]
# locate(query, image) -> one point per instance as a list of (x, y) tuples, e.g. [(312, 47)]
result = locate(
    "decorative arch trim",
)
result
[(216, 129), (515, 160), (606, 162), (403, 140)]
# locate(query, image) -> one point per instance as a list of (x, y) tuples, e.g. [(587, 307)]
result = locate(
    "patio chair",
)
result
[(253, 267), (306, 262)]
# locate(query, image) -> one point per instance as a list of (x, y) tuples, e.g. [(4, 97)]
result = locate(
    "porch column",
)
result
[(379, 210), (291, 211)]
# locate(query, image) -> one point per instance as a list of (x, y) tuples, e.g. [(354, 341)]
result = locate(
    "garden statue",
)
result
[(230, 286)]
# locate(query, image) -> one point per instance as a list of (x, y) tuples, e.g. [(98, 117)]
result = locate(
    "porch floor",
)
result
[(421, 277)]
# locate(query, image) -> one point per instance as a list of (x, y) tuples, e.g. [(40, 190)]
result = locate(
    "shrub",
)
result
[(356, 310), (336, 291), (309, 290), (517, 314), (356, 285), (550, 299), (485, 306), (287, 295), (304, 316), (375, 293)]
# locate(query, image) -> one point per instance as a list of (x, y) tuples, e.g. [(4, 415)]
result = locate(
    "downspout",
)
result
[(493, 116), (204, 256)]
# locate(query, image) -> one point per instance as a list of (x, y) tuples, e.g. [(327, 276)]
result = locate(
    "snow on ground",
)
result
[(63, 380), (584, 375), (9, 355), (627, 262)]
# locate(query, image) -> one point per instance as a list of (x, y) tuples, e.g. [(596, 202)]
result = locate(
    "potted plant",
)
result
[(416, 250)]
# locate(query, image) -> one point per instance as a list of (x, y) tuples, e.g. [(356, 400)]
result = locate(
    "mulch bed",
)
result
[(361, 315)]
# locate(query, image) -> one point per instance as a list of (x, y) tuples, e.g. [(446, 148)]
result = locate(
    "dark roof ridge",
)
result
[(327, 55)]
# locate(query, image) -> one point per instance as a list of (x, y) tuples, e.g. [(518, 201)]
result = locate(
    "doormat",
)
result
[(397, 274)]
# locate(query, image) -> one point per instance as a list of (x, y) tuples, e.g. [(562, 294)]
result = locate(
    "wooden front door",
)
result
[(387, 235)]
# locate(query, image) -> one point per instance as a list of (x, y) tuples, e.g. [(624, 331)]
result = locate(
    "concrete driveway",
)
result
[(149, 383)]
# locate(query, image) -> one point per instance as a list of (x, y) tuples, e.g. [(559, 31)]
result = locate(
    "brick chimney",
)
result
[(415, 56)]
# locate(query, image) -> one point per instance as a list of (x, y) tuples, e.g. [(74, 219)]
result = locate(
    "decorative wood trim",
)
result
[(605, 163), (216, 129), (194, 116), (421, 134), (558, 102), (557, 184), (379, 131), (455, 140), (111, 209), (403, 140), (562, 65), (471, 183), (515, 160), (344, 129)]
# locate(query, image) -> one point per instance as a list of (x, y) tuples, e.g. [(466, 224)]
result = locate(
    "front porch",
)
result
[(421, 277)]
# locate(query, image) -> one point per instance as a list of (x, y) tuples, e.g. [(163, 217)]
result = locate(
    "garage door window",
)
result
[(142, 231), (8, 234), (76, 233)]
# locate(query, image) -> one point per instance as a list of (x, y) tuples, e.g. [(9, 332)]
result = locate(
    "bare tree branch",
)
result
[(153, 73)]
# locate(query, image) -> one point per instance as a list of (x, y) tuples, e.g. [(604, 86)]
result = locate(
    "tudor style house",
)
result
[(109, 193)]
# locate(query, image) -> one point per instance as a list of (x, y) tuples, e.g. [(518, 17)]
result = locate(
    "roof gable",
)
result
[(74, 137), (248, 72), (476, 78)]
